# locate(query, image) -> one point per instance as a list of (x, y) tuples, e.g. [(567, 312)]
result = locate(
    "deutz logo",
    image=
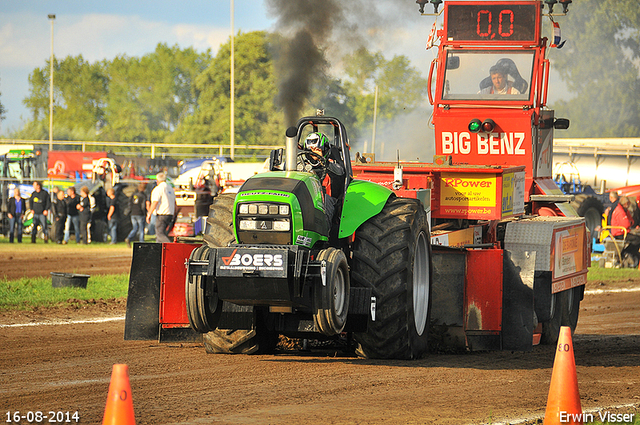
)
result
[(263, 225)]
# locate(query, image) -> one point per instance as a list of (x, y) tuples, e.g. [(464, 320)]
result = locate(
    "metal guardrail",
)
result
[(151, 150), (627, 146)]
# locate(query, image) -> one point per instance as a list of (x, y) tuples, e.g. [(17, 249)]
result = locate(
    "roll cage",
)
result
[(337, 135)]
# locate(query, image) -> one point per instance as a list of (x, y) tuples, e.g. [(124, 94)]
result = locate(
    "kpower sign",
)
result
[(490, 196)]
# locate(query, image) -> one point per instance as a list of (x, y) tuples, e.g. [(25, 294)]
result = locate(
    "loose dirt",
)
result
[(67, 367)]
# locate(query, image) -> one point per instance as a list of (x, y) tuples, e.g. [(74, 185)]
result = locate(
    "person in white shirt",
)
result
[(163, 203)]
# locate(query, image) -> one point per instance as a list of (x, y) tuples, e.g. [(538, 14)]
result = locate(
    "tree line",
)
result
[(179, 95), (600, 65)]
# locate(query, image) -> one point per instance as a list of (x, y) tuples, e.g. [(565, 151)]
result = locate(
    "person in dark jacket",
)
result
[(139, 205), (40, 203), (72, 215), (84, 208), (59, 212), (16, 208)]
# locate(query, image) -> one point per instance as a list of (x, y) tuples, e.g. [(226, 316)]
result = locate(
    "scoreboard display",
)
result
[(494, 22)]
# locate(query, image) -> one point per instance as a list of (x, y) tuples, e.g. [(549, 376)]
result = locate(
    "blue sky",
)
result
[(104, 29)]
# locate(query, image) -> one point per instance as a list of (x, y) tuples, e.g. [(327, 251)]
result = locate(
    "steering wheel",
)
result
[(304, 163)]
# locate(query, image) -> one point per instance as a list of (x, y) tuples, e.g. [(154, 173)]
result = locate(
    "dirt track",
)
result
[(67, 368), (27, 260)]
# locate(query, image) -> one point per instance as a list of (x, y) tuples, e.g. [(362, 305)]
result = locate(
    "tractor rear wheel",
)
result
[(219, 229), (392, 256), (590, 208)]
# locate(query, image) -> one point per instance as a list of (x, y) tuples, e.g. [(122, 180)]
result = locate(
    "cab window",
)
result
[(499, 76)]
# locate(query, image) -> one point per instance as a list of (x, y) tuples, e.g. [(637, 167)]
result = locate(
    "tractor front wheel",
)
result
[(551, 328), (219, 233), (565, 311), (332, 297), (203, 307), (258, 340), (219, 229)]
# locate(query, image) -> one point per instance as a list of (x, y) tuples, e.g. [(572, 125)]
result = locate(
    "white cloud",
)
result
[(95, 37), (200, 37), (25, 44)]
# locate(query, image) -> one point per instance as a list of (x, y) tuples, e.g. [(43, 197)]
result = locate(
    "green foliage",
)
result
[(400, 86), (256, 119), (600, 64), (127, 99), (149, 97), (181, 96), (28, 293), (79, 92)]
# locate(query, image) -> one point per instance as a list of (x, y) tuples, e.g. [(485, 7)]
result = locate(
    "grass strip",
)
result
[(27, 293), (612, 275)]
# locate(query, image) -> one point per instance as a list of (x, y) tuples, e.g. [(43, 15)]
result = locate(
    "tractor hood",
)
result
[(258, 217)]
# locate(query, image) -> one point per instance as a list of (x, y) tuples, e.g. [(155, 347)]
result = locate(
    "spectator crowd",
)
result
[(59, 214)]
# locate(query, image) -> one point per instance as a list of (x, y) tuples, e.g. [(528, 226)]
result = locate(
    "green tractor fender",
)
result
[(362, 201)]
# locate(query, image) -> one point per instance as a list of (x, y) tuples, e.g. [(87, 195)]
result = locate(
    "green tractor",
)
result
[(274, 263)]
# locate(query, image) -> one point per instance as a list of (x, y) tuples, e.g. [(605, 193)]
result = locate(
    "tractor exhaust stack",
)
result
[(292, 149)]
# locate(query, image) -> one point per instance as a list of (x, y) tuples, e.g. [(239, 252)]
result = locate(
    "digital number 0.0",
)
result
[(484, 23)]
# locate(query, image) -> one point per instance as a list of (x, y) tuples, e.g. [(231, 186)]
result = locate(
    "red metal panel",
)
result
[(483, 290), (173, 308), (509, 145)]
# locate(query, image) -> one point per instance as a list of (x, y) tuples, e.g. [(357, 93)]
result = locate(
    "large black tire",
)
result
[(219, 230), (332, 297), (231, 341), (630, 260), (219, 233), (392, 256), (566, 311), (551, 328), (203, 309), (590, 208), (571, 309), (241, 341)]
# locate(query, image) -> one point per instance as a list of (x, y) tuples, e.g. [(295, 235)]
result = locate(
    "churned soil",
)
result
[(66, 367)]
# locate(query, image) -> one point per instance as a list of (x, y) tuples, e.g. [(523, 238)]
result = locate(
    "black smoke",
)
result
[(313, 37), (298, 63), (305, 27)]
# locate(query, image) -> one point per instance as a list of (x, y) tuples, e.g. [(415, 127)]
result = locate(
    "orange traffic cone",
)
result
[(119, 410), (563, 404)]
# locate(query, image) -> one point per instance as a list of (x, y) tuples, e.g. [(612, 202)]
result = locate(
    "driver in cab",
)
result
[(500, 83), (323, 160)]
